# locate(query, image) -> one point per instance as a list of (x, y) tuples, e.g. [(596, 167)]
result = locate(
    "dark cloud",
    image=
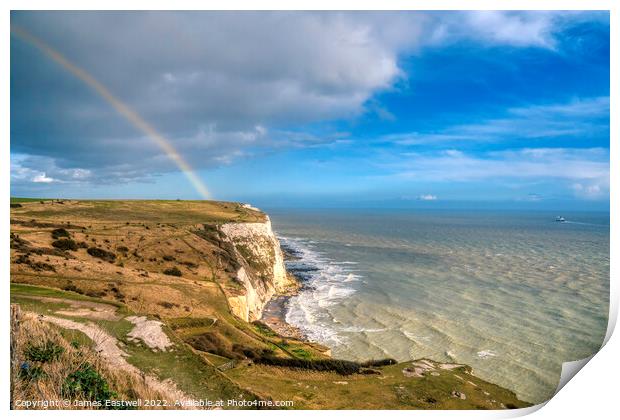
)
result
[(218, 85)]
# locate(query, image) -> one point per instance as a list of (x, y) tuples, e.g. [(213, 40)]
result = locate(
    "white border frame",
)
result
[(593, 394)]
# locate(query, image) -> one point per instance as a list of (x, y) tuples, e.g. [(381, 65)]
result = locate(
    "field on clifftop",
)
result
[(142, 287)]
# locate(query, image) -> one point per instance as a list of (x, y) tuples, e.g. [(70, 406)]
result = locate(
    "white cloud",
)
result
[(590, 191), (218, 84), (513, 28), (585, 171), (579, 117), (26, 169), (427, 197), (41, 178)]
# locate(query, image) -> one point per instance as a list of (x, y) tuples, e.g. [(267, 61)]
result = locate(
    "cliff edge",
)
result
[(261, 271)]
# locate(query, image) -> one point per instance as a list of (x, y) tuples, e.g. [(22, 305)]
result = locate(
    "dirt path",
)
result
[(107, 346)]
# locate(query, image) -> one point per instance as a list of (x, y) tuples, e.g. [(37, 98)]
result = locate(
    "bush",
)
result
[(168, 258), (343, 367), (60, 233), (65, 244), (173, 271), (211, 342), (31, 373), (264, 329), (15, 205), (122, 249), (87, 383), (378, 363), (251, 352), (73, 288), (101, 254), (44, 353)]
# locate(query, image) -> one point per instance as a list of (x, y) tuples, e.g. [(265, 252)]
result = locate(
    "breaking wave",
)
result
[(324, 283)]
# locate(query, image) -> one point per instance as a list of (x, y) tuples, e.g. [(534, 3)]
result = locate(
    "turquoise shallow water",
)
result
[(513, 294)]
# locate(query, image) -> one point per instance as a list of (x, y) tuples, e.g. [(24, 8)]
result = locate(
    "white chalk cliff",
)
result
[(262, 272)]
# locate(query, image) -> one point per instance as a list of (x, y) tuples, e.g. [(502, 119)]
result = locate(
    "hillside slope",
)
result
[(176, 285)]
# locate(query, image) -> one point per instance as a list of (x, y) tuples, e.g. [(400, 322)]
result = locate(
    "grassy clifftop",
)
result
[(120, 269), (164, 211)]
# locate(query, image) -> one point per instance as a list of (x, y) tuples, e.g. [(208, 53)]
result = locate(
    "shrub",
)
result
[(15, 205), (211, 342), (82, 244), (18, 243), (87, 383), (41, 266), (189, 264), (168, 258), (60, 233), (264, 329), (43, 353), (31, 373), (101, 254), (343, 367), (378, 363), (122, 249), (301, 353), (65, 244), (73, 288), (173, 271), (251, 352)]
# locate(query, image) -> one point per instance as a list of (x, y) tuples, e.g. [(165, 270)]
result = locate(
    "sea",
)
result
[(513, 294)]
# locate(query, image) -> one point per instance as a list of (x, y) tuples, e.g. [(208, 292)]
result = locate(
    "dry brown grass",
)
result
[(28, 330)]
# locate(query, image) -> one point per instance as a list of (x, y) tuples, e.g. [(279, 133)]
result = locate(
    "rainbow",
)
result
[(123, 109)]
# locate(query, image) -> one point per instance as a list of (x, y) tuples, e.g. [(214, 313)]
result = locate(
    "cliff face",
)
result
[(261, 272)]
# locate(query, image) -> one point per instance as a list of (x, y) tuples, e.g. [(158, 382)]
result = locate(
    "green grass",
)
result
[(389, 389), (21, 289), (145, 211), (29, 200), (188, 369), (302, 354), (76, 338)]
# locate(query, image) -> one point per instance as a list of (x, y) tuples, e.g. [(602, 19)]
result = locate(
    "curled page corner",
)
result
[(569, 370)]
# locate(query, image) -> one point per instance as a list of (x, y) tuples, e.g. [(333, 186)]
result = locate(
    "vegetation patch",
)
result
[(65, 244), (35, 265), (378, 363), (343, 367), (17, 242), (73, 288), (60, 233), (212, 342), (173, 271), (182, 323), (264, 329), (30, 373), (101, 254), (87, 382), (35, 224), (46, 352)]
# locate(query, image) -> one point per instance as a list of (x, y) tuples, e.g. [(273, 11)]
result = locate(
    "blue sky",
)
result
[(319, 109)]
